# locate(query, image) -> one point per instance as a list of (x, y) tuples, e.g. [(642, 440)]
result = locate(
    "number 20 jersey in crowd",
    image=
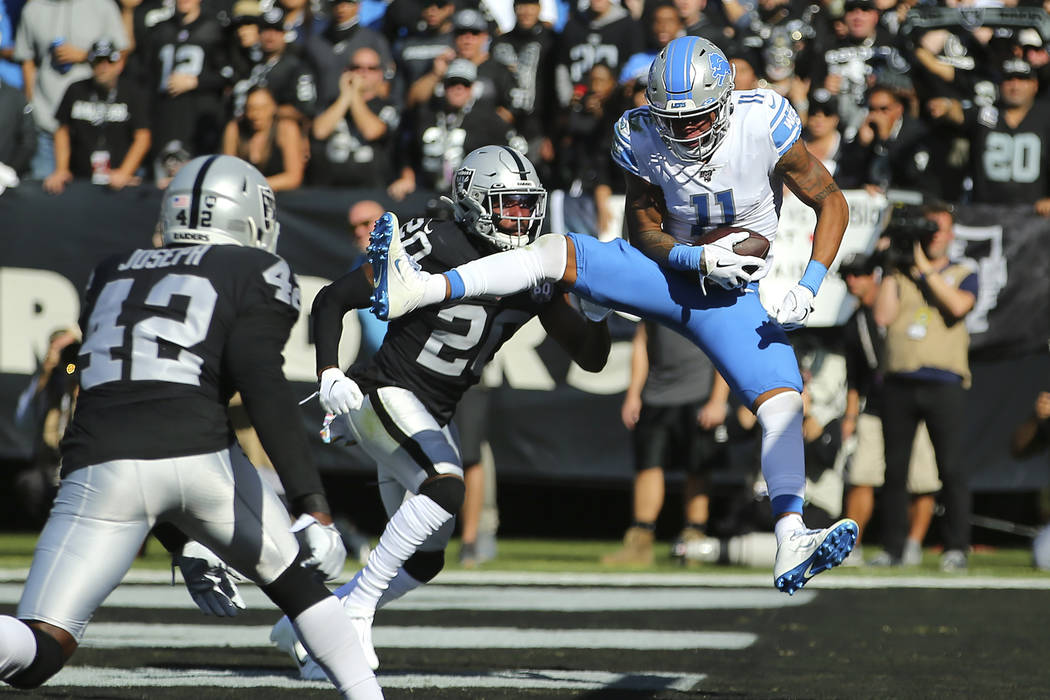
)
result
[(169, 335), (438, 352)]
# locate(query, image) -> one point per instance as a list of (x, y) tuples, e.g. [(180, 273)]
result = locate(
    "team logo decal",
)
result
[(269, 205), (464, 176), (720, 68)]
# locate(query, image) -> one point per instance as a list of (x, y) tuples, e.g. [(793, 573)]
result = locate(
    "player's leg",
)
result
[(401, 287), (756, 359), (254, 538), (95, 530)]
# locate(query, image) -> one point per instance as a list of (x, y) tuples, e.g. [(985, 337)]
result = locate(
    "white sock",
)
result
[(783, 451), (402, 583), (330, 638), (511, 271), (412, 523), (792, 522), (17, 646)]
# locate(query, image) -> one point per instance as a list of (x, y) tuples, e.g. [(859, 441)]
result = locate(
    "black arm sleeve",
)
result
[(351, 291), (170, 536), (254, 363)]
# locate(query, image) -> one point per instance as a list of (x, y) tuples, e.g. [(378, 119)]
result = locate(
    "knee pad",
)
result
[(295, 590), (48, 661), (446, 491), (424, 566)]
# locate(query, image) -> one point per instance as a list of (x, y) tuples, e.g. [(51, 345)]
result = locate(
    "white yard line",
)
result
[(129, 635), (519, 679)]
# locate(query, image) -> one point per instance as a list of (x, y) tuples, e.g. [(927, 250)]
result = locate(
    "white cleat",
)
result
[(284, 638), (805, 553), (397, 279), (361, 619)]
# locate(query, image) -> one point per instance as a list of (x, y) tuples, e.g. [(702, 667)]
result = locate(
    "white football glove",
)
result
[(324, 545), (726, 268), (339, 394), (795, 308), (209, 580)]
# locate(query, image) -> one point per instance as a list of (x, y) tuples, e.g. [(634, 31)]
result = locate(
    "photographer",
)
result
[(922, 303)]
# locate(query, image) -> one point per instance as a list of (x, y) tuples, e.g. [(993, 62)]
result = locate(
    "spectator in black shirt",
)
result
[(448, 128), (352, 138), (103, 126), (189, 72), (605, 32), (273, 145), (287, 76), (416, 54), (494, 83), (343, 36), (245, 47), (891, 149), (17, 135), (1010, 142)]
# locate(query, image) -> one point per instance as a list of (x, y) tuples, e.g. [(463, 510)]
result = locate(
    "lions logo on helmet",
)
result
[(220, 200), (498, 197), (690, 83)]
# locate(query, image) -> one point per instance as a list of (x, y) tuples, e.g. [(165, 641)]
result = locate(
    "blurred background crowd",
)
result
[(941, 99)]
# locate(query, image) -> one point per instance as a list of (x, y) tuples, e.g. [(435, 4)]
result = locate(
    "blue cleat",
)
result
[(806, 553), (397, 280)]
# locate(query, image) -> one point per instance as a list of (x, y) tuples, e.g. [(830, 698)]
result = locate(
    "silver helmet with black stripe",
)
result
[(497, 194), (221, 200), (690, 83)]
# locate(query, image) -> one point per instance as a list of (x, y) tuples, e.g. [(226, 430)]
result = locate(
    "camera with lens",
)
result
[(907, 226)]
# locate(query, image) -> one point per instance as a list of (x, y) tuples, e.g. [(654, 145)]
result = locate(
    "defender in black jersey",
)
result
[(169, 335), (398, 405)]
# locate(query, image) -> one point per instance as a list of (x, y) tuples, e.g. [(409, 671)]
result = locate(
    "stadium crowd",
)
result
[(944, 100)]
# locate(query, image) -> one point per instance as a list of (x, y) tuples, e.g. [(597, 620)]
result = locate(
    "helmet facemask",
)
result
[(691, 81), (497, 196)]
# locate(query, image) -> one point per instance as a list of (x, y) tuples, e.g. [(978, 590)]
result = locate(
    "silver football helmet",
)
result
[(690, 79), (220, 200), (491, 180)]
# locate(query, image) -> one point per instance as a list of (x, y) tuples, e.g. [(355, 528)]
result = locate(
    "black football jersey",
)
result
[(1010, 165), (438, 352), (169, 335)]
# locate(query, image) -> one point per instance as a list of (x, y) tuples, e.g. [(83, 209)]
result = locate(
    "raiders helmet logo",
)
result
[(269, 207), (464, 176)]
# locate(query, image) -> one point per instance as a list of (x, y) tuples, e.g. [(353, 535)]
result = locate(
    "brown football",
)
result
[(755, 244)]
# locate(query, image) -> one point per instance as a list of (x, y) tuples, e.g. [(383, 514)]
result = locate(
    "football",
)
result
[(755, 245)]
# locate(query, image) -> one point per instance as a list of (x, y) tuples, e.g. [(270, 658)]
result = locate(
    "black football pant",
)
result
[(943, 406)]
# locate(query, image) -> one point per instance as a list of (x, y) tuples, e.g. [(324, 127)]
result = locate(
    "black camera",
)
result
[(907, 226)]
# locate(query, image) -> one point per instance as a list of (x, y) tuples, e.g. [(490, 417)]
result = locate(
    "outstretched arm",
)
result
[(351, 291), (586, 341)]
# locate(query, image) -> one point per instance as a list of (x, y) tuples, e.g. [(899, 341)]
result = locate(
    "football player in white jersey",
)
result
[(698, 156)]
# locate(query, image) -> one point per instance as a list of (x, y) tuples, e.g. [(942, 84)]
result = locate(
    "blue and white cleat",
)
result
[(397, 279), (806, 553)]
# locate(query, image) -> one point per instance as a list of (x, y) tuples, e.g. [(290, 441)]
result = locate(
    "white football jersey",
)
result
[(736, 186)]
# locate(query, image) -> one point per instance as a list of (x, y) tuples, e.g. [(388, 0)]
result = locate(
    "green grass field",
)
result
[(582, 556)]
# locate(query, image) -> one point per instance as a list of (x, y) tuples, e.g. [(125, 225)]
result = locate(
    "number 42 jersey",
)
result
[(169, 335)]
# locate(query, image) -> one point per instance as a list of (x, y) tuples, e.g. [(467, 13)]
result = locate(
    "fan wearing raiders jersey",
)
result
[(398, 405), (169, 335), (697, 157), (189, 62)]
